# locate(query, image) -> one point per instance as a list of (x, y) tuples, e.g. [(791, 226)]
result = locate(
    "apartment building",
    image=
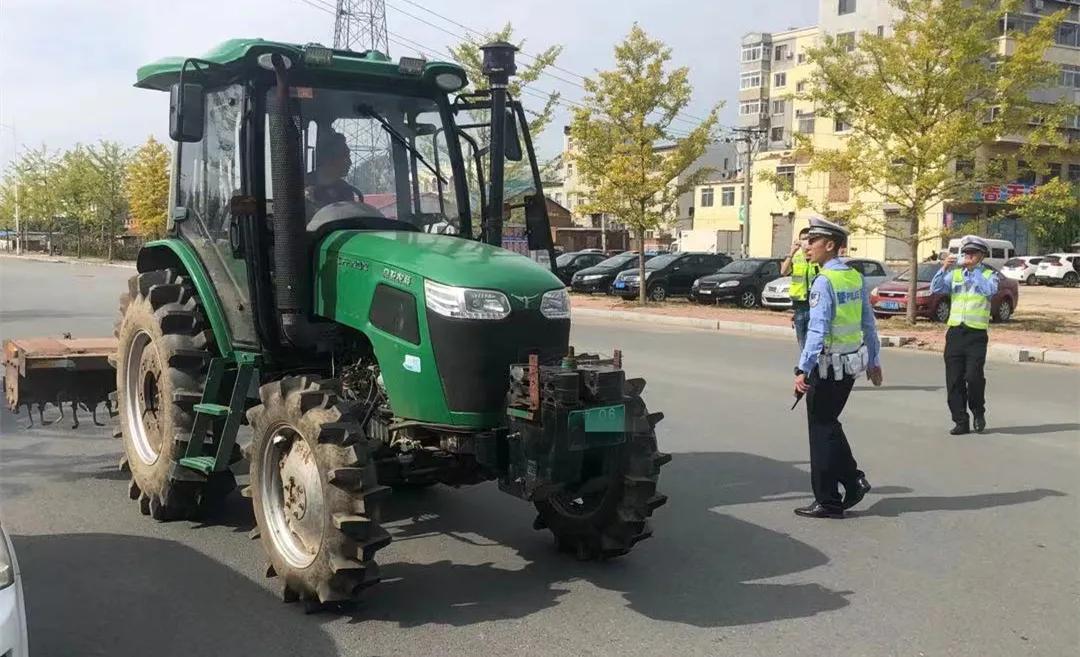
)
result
[(774, 67)]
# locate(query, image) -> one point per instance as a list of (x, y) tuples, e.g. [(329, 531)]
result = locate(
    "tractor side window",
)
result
[(207, 178)]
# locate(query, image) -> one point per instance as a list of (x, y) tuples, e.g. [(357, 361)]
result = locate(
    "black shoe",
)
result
[(979, 423), (815, 510), (856, 493), (959, 429)]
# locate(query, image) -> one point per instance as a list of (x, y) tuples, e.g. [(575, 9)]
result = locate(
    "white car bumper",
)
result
[(1014, 274), (13, 635)]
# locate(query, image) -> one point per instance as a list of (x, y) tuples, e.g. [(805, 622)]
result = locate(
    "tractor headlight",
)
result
[(555, 304), (465, 302)]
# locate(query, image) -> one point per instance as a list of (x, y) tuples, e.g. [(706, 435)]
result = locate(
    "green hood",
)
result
[(445, 259)]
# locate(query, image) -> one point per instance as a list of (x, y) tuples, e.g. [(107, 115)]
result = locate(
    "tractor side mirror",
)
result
[(512, 143), (187, 110), (536, 221)]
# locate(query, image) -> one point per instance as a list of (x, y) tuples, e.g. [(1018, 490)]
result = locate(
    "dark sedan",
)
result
[(571, 263), (891, 298), (600, 277), (740, 281)]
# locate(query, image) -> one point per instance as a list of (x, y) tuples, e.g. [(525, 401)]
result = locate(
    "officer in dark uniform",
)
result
[(970, 287), (841, 343)]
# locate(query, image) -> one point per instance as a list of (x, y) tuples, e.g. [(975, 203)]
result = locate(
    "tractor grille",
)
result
[(474, 356)]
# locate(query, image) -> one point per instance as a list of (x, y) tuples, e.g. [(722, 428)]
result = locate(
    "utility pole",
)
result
[(361, 25), (750, 138)]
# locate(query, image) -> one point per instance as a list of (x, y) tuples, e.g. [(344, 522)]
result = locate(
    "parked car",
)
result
[(891, 298), (1021, 269), (776, 293), (1059, 269), (741, 281), (669, 274), (571, 263), (1001, 251), (13, 635), (601, 276)]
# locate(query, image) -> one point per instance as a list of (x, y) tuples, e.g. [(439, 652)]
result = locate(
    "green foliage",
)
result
[(627, 112), (1052, 213), (935, 91), (148, 189)]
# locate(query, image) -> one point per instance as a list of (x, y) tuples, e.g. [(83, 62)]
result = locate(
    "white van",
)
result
[(1000, 251)]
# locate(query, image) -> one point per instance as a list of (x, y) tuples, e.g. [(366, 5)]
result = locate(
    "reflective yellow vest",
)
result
[(802, 273), (845, 334), (968, 306)]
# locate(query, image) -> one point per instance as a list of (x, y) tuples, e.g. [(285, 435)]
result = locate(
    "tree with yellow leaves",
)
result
[(148, 189)]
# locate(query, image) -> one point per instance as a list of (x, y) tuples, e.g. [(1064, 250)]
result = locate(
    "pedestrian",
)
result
[(802, 272), (971, 285), (841, 343)]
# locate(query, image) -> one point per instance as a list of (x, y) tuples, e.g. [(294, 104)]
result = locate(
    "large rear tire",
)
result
[(161, 359), (609, 522), (314, 490)]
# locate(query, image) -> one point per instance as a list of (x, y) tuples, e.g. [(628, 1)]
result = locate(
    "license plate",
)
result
[(621, 285), (889, 305), (704, 291)]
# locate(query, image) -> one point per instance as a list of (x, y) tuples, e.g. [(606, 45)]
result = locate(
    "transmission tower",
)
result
[(361, 25)]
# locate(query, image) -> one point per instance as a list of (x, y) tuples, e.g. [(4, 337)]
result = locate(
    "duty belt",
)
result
[(851, 363)]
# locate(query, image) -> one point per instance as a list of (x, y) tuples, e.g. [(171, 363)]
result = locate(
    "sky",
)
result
[(67, 66)]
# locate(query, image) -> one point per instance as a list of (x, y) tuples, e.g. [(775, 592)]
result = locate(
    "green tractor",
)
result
[(362, 316)]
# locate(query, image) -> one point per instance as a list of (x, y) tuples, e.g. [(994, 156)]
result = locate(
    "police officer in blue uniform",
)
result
[(841, 343)]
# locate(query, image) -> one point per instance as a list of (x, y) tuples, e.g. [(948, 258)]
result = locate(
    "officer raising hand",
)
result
[(841, 343)]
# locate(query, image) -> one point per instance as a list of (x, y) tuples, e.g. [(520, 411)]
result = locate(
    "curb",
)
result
[(68, 261), (1009, 353)]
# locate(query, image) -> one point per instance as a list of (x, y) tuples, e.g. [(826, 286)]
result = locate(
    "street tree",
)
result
[(1052, 213), (927, 107), (626, 113), (76, 193), (148, 189), (109, 164)]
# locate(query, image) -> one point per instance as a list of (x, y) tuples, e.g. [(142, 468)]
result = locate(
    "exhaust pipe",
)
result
[(498, 67)]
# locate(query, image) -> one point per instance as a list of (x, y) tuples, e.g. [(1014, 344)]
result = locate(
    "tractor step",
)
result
[(214, 410), (203, 464)]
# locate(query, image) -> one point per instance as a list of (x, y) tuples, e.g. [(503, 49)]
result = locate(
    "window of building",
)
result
[(846, 7), (1068, 34), (777, 134), (569, 168), (802, 58), (750, 80), (847, 40), (569, 143), (726, 163), (1024, 173), (1073, 122), (1074, 173), (727, 196), (840, 125), (1053, 171), (806, 124), (1070, 76), (558, 197), (781, 51), (778, 106), (751, 53), (706, 197), (785, 174), (800, 86), (749, 108), (965, 168), (780, 80), (881, 30)]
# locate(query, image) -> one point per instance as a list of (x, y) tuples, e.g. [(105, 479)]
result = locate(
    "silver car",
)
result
[(12, 608), (775, 294)]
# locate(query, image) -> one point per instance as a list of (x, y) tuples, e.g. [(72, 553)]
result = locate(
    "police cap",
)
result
[(825, 228), (974, 243)]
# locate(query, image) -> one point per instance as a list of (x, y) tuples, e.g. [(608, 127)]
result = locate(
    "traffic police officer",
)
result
[(802, 272), (841, 343), (971, 286)]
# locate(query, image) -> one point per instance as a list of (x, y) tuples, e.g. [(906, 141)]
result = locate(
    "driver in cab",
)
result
[(326, 184)]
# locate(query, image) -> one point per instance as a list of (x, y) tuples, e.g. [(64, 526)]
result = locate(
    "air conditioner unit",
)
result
[(1037, 5), (790, 55)]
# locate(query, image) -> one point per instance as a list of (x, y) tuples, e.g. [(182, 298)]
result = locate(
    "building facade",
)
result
[(774, 68)]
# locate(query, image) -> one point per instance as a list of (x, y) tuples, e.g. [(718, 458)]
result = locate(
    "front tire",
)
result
[(1031, 280), (1004, 311), (1071, 279), (941, 311), (314, 491), (748, 298), (657, 292), (163, 350), (609, 522)]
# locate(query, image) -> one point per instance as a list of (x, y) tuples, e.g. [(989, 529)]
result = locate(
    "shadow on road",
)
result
[(1034, 429), (701, 568), (110, 594), (894, 506)]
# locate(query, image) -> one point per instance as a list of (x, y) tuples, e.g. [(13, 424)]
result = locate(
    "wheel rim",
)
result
[(1070, 280), (942, 312), (1031, 279), (1004, 311), (748, 299), (292, 498), (142, 399), (659, 293)]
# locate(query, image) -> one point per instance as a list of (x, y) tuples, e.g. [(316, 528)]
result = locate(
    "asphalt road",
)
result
[(967, 546)]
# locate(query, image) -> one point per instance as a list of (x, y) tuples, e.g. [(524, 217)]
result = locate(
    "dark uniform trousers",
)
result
[(831, 461), (965, 356)]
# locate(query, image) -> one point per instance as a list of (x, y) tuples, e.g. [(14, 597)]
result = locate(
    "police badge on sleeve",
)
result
[(814, 297)]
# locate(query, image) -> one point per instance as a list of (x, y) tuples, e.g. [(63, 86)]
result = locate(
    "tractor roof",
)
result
[(237, 54)]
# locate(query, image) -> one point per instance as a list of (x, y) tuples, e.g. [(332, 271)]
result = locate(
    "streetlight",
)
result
[(15, 148)]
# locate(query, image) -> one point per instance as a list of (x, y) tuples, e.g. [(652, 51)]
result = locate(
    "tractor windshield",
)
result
[(385, 154)]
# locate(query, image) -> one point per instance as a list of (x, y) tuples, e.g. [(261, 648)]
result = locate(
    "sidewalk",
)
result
[(41, 257), (1015, 341)]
